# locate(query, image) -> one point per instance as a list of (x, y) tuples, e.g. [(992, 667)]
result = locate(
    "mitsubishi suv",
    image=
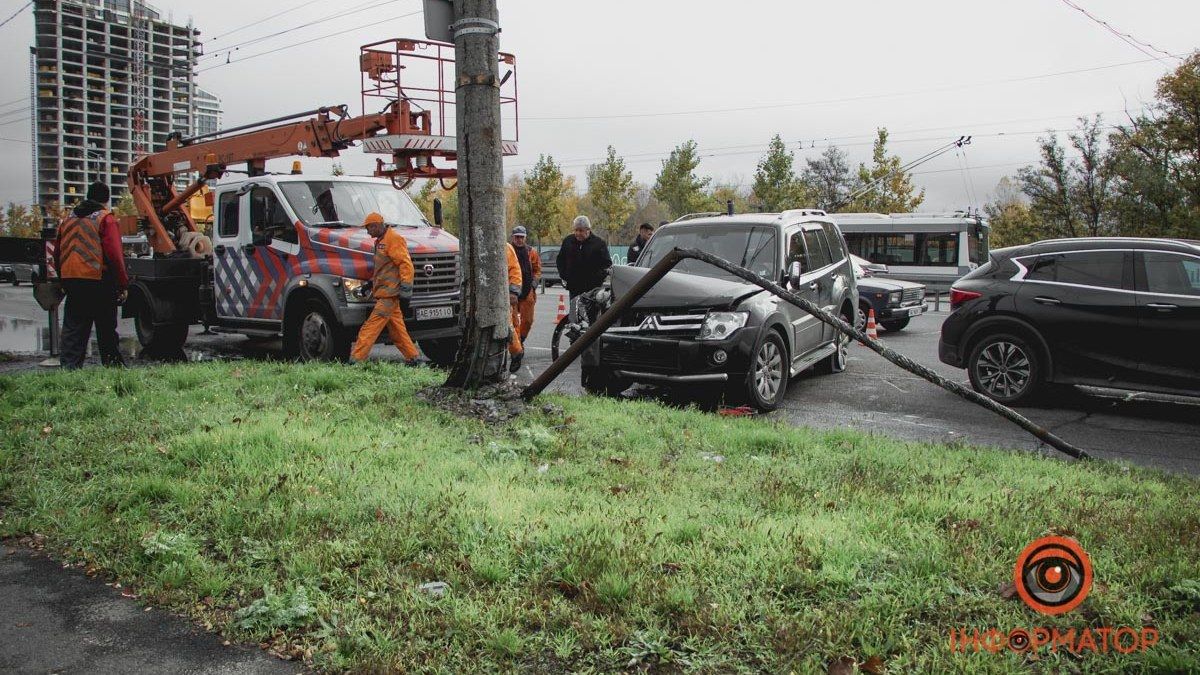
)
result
[(1109, 313), (703, 325)]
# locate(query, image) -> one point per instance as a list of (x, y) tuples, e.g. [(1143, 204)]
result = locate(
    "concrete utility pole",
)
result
[(483, 355)]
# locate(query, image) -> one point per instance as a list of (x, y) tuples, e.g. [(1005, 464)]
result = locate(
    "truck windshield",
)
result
[(329, 203), (754, 248)]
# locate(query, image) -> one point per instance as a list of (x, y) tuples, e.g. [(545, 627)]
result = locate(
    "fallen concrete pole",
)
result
[(673, 258)]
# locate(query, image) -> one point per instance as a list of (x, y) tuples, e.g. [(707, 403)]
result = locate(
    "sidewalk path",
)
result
[(56, 620)]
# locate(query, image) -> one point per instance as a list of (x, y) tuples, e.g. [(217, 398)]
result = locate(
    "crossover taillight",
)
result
[(959, 296)]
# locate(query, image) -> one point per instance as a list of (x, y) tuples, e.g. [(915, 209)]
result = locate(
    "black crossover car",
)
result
[(701, 325), (1117, 313)]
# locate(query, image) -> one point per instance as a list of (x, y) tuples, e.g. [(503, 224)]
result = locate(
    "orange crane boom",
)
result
[(163, 215)]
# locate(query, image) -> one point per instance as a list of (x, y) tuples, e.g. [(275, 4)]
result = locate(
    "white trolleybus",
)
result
[(934, 249)]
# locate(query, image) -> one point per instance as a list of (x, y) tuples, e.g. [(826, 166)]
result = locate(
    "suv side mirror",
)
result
[(795, 269), (437, 212)]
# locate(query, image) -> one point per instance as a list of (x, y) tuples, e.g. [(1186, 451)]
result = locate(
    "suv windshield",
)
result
[(346, 203), (754, 248)]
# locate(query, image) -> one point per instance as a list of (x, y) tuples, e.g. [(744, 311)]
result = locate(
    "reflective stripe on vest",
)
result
[(80, 251), (387, 274)]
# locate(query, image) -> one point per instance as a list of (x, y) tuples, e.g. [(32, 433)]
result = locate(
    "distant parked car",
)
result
[(23, 273), (7, 273), (895, 301), (1118, 313), (550, 268)]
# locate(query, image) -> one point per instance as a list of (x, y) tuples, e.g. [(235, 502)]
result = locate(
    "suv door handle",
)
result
[(1043, 300), (219, 249), (1162, 306)]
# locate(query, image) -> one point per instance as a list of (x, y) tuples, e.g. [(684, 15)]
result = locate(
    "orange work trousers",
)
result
[(525, 309), (387, 314), (514, 342)]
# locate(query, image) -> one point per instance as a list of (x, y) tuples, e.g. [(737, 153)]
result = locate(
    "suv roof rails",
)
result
[(790, 213), (701, 214)]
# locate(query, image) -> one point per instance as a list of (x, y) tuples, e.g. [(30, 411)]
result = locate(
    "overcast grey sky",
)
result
[(928, 70)]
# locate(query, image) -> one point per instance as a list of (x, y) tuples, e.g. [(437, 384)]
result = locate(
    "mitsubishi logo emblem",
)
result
[(650, 323), (428, 270)]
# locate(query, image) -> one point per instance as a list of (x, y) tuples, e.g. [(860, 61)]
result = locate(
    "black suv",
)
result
[(1117, 313), (701, 325)]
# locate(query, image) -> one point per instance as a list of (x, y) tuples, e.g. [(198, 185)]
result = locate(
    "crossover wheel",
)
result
[(1005, 368)]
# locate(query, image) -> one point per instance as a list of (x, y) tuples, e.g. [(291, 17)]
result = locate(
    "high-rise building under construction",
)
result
[(111, 80)]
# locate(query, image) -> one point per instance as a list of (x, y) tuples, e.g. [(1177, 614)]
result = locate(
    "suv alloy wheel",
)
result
[(767, 378)]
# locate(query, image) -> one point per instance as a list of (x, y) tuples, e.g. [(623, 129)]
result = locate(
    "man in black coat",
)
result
[(583, 259), (635, 250)]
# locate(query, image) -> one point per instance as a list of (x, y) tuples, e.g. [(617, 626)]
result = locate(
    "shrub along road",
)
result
[(300, 507)]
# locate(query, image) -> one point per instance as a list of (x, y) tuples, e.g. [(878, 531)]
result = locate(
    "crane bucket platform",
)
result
[(415, 81)]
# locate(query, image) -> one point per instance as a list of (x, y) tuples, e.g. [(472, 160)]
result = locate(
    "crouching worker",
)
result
[(391, 288)]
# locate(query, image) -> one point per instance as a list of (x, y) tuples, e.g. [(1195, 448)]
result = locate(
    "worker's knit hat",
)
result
[(98, 192), (373, 219)]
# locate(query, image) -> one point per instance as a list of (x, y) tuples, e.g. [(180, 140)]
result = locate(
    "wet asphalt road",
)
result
[(872, 395)]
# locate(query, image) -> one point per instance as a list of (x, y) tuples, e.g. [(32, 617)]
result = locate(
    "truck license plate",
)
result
[(426, 313)]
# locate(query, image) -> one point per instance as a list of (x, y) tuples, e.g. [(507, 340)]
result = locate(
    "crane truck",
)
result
[(288, 256)]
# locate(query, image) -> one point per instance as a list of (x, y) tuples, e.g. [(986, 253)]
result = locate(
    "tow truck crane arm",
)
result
[(151, 178)]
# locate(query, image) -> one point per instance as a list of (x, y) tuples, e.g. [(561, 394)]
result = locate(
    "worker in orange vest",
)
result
[(516, 350), (391, 288), (531, 274), (91, 264)]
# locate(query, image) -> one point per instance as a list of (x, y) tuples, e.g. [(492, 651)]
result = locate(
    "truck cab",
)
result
[(290, 258)]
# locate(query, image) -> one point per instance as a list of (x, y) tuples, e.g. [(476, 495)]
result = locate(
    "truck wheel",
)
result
[(597, 380), (767, 379), (441, 352), (314, 334), (897, 325), (163, 338)]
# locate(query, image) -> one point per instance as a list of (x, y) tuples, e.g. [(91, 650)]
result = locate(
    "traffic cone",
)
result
[(872, 331), (562, 309)]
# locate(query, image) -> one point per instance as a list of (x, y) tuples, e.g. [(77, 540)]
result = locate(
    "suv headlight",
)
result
[(357, 290), (720, 325), (894, 297)]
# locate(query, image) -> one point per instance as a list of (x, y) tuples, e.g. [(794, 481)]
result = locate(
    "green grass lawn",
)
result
[(304, 506)]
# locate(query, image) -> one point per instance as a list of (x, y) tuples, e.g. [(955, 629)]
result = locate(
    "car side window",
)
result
[(836, 245), (796, 251), (1103, 269), (1171, 273), (818, 249), (268, 217), (230, 211)]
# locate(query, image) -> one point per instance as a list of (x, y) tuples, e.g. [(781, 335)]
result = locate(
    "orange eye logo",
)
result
[(1053, 575)]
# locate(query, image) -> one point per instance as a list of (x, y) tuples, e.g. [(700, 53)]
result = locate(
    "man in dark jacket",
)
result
[(635, 250), (91, 264), (583, 259)]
